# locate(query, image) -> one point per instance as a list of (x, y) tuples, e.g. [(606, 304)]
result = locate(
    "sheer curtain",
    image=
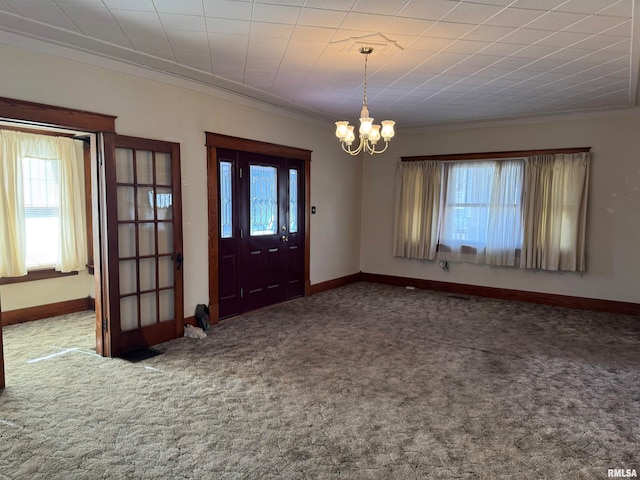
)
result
[(504, 226), (418, 199), (555, 211), (482, 222), (14, 146)]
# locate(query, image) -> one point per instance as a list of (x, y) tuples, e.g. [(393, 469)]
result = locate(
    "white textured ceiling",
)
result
[(435, 61)]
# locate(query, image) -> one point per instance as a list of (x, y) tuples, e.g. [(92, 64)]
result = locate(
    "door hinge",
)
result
[(240, 172), (241, 234), (242, 293), (105, 325)]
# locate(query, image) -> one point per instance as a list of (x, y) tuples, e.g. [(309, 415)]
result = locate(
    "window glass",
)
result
[(264, 200), (468, 193), (483, 206), (293, 201), (226, 201), (41, 183)]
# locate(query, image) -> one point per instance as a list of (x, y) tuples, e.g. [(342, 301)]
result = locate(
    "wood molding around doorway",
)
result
[(59, 117), (215, 141), (2, 381)]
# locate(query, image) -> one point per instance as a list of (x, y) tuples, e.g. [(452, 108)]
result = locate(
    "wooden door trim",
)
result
[(254, 146), (214, 141), (50, 115), (2, 382), (213, 214)]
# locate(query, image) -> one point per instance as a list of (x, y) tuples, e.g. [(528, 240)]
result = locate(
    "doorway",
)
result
[(258, 224), (155, 295)]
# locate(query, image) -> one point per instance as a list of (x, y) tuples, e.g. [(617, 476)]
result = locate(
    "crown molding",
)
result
[(21, 33), (528, 120)]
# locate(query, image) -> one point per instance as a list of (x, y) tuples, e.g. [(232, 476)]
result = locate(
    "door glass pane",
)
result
[(166, 305), (148, 309), (163, 168), (293, 201), (128, 313), (124, 165), (128, 278), (126, 240), (147, 274), (144, 166), (165, 237), (264, 200), (126, 204), (165, 272), (145, 203), (164, 203), (226, 201), (147, 238)]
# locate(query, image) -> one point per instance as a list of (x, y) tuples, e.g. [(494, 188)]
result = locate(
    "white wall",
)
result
[(43, 292), (613, 251), (156, 106)]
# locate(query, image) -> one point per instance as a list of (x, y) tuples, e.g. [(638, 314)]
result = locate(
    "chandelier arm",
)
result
[(353, 152), (373, 150)]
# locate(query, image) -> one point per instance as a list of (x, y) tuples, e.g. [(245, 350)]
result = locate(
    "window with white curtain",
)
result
[(527, 212), (481, 219), (42, 211)]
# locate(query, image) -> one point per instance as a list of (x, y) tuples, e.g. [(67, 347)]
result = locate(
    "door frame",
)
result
[(215, 141), (58, 117), (2, 382)]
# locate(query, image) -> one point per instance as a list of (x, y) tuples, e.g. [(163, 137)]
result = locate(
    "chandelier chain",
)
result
[(364, 97)]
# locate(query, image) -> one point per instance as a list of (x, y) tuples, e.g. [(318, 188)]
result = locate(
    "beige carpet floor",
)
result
[(365, 381)]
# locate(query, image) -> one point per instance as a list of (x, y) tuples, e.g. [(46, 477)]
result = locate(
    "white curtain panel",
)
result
[(555, 211), (73, 228), (12, 219), (417, 209), (504, 226), (73, 248)]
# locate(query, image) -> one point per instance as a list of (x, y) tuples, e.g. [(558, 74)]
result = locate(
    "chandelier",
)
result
[(370, 134)]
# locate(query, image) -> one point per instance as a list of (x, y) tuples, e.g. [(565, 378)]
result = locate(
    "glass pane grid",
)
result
[(145, 214)]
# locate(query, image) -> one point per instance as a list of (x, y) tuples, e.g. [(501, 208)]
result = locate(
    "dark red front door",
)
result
[(261, 245)]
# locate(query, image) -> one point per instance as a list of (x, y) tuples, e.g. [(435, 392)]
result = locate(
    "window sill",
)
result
[(36, 275)]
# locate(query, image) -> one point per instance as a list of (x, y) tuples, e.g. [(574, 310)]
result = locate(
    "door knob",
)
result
[(284, 238), (178, 258)]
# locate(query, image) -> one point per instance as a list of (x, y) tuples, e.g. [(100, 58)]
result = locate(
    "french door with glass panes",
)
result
[(261, 239), (141, 228)]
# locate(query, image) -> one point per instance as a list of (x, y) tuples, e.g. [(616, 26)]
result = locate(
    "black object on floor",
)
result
[(140, 355)]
